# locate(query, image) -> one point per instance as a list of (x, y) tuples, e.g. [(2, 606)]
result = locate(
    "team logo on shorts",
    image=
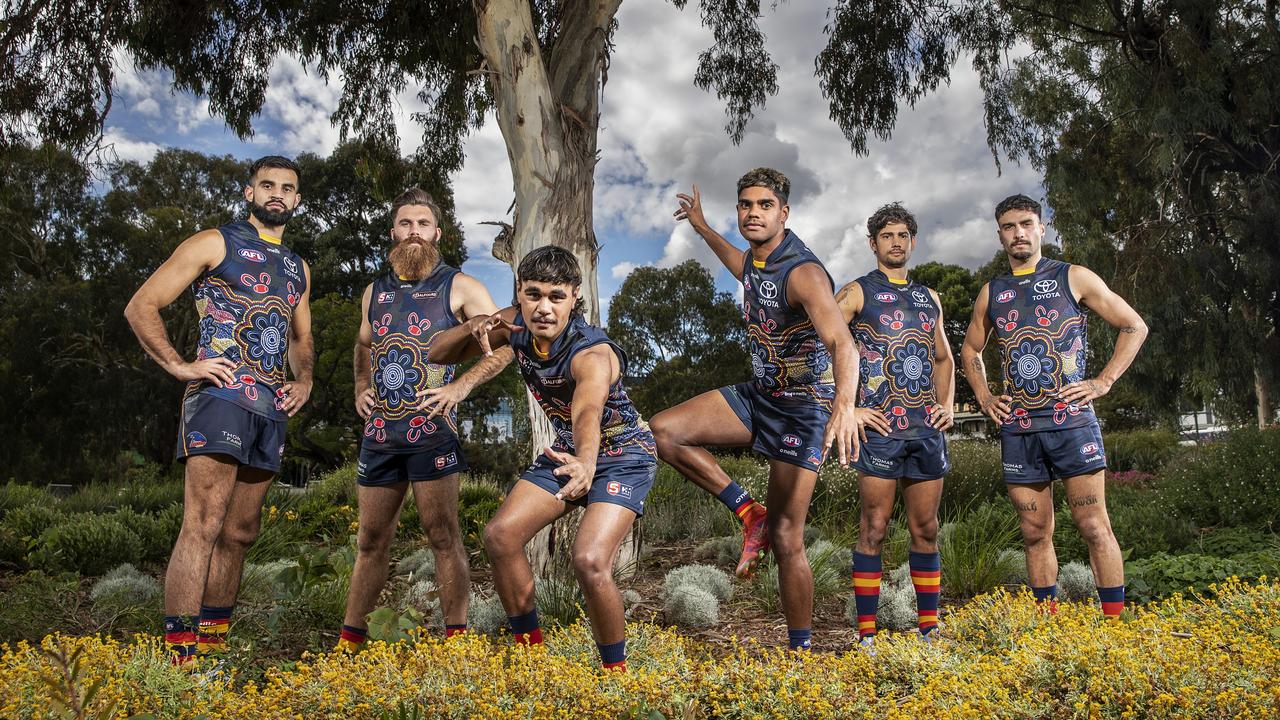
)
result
[(791, 441), (1089, 448), (814, 457), (252, 255), (445, 461), (1006, 296), (386, 297), (886, 297), (617, 488), (196, 439)]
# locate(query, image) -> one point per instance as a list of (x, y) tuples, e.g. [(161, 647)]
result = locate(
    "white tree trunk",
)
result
[(549, 117)]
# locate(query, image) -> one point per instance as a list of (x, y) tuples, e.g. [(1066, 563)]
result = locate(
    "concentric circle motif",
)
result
[(908, 366), (399, 374)]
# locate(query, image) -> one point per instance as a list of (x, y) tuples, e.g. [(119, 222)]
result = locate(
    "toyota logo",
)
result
[(1046, 286), (768, 290)]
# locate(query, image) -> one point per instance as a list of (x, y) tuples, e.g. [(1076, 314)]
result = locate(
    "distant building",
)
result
[(968, 426), (499, 421), (1200, 425)]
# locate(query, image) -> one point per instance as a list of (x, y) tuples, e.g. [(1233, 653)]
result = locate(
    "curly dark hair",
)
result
[(894, 212), (769, 179), (274, 161), (1018, 202), (551, 264)]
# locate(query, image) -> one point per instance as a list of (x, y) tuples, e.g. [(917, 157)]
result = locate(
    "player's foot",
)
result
[(867, 645), (755, 540)]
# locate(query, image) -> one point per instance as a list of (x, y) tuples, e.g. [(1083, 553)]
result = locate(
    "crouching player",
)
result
[(603, 457)]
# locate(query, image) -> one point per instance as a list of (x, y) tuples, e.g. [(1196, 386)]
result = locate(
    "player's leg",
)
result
[(240, 528), (528, 508), (790, 490), (921, 499), (709, 419), (379, 507), (604, 526), (875, 495), (210, 480), (437, 502), (1087, 500), (1034, 505)]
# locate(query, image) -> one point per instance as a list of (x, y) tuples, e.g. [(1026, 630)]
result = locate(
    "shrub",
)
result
[(424, 597), (1015, 562), (897, 607), (36, 604), (420, 563), (691, 607), (976, 477), (477, 503), (1235, 481), (712, 579), (32, 520), (156, 531), (723, 550), (1141, 526), (146, 496), (485, 614), (558, 599), (122, 590), (1075, 582), (1226, 542), (972, 549), (1162, 575), (1145, 450), (678, 510), (829, 563), (16, 495), (88, 544), (13, 549)]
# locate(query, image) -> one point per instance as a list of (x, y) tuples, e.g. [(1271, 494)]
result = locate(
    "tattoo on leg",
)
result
[(1025, 506), (1082, 501)]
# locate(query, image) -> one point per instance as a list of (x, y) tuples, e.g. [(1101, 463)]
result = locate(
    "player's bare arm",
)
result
[(849, 300), (195, 255), (996, 407), (479, 335), (691, 210), (594, 370), (360, 361), (469, 298), (808, 287), (944, 374), (302, 352), (1092, 291)]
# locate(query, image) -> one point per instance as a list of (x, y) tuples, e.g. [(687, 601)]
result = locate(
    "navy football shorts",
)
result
[(1052, 454), (212, 426), (783, 428), (915, 459), (623, 479), (375, 468)]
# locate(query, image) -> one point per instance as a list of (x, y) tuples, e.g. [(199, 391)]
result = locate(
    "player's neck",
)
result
[(1024, 267), (897, 276), (762, 251), (275, 231)]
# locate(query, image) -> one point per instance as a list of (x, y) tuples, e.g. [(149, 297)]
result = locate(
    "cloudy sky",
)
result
[(659, 135)]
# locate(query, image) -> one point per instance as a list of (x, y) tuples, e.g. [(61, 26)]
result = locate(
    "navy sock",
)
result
[(799, 639), (734, 496), (1046, 593), (614, 654)]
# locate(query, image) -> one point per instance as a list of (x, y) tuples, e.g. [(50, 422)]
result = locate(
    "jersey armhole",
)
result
[(1071, 296), (448, 299), (222, 264), (786, 276), (617, 351)]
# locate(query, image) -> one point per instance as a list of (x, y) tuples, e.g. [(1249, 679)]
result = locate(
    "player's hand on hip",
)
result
[(296, 395), (842, 429), (579, 474), (364, 403), (219, 370), (872, 418), (691, 209), (442, 400), (997, 407), (941, 417), (1084, 392)]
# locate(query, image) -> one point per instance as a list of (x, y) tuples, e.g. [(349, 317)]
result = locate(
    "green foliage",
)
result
[(1075, 582), (16, 495), (387, 625), (829, 564), (156, 531), (976, 476), (723, 551), (485, 614), (1231, 482), (692, 607), (1225, 542), (420, 563), (1141, 525), (32, 520), (478, 501), (124, 591), (676, 509), (87, 544), (35, 604), (1145, 450), (1162, 575), (142, 497), (13, 549), (712, 579), (972, 549)]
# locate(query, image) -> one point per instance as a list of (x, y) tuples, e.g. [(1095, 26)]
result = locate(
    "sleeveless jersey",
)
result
[(404, 315), (895, 335), (245, 305), (552, 385), (1042, 337), (788, 358)]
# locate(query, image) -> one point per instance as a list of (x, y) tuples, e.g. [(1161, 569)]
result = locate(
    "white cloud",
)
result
[(622, 269), (127, 148), (148, 106), (301, 101)]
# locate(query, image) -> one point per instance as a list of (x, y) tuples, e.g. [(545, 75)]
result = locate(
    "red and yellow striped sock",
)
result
[(214, 624), (926, 577), (352, 639), (180, 637), (866, 591)]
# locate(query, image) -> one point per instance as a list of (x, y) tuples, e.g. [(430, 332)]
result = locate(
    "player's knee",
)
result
[(591, 565), (787, 538), (498, 542), (204, 529), (238, 536), (374, 542), (443, 534), (664, 432), (874, 531), (924, 530), (1095, 530), (1035, 532)]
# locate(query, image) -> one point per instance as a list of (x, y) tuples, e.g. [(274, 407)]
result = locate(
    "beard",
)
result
[(413, 261), (1021, 253), (895, 263), (268, 217)]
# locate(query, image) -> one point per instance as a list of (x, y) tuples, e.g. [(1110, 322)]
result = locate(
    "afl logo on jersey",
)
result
[(252, 255), (1006, 296), (886, 297), (768, 290), (1046, 286), (791, 441)]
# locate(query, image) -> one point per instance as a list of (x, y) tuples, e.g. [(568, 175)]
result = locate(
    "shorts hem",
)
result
[(182, 458), (790, 461)]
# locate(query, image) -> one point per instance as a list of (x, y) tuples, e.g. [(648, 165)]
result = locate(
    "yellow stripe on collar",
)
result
[(757, 263), (1024, 271), (896, 281), (269, 238), (542, 354)]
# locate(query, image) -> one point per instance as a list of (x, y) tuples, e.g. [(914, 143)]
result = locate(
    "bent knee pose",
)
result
[(906, 391), (251, 294), (602, 458), (408, 405), (797, 405), (1048, 430)]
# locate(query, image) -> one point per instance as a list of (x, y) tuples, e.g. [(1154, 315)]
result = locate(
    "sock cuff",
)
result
[(928, 562), (451, 630), (180, 623), (524, 624), (734, 496), (354, 634), (1048, 592), (213, 612), (613, 653), (799, 638), (1111, 594), (863, 563)]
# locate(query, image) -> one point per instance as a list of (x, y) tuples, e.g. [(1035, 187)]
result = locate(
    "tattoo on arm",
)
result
[(1128, 329), (1076, 502), (979, 369)]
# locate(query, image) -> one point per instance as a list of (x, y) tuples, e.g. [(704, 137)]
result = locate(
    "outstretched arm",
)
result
[(691, 210), (809, 287), (1093, 292), (468, 298), (478, 335), (196, 254), (997, 407)]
